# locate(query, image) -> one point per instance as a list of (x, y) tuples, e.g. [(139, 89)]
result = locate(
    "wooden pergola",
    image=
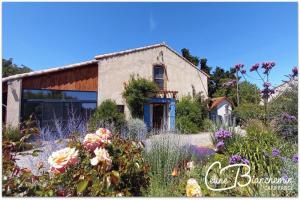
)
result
[(166, 94)]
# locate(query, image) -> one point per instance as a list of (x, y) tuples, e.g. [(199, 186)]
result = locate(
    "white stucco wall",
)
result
[(114, 71), (13, 109), (221, 108)]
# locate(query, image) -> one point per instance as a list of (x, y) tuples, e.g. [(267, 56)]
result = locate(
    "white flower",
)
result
[(190, 165), (60, 160), (193, 189), (104, 133), (101, 155), (92, 141)]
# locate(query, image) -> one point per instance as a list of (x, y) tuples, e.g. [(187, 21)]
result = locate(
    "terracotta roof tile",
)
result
[(216, 101)]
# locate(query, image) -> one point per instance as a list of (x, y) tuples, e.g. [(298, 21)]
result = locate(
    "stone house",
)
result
[(83, 86)]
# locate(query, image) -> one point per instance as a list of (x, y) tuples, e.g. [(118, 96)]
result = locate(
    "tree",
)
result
[(249, 93), (204, 67), (186, 54), (217, 79), (9, 68)]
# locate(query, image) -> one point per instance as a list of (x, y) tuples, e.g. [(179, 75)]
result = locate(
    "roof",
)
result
[(95, 60), (216, 101), (55, 69)]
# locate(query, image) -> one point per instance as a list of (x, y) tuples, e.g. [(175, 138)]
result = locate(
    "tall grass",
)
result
[(163, 153)]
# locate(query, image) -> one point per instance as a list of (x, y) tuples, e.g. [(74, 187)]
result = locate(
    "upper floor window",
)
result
[(159, 76)]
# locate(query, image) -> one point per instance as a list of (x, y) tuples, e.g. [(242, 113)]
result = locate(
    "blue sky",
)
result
[(44, 35)]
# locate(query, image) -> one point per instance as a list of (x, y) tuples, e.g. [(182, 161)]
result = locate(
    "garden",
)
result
[(110, 156)]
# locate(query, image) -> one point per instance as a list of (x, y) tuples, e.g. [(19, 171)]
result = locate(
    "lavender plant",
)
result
[(136, 130)]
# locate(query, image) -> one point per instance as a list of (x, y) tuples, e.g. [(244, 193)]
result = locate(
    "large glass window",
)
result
[(47, 105), (159, 76)]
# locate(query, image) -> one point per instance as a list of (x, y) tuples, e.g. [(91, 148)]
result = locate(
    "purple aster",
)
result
[(243, 71), (254, 67), (235, 159), (275, 152), (222, 135), (238, 67), (295, 72), (295, 158), (245, 161)]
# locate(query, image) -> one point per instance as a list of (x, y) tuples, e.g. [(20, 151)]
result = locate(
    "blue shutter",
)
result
[(147, 116), (172, 108)]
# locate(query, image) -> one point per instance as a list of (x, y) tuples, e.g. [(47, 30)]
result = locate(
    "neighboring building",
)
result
[(221, 110), (82, 86), (280, 89)]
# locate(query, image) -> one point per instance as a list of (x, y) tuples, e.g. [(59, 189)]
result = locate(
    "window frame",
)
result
[(43, 101), (163, 78)]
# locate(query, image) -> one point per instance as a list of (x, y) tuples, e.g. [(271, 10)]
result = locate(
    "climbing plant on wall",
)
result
[(136, 93)]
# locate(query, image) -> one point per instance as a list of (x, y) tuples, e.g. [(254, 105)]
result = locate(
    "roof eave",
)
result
[(40, 72)]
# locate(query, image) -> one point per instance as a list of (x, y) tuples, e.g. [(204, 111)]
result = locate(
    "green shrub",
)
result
[(284, 113), (287, 102), (12, 133), (208, 125), (136, 94), (107, 114), (257, 146), (247, 112), (189, 118)]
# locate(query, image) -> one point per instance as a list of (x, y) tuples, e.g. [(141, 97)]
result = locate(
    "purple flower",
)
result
[(267, 66), (243, 71), (220, 146), (222, 135), (245, 161), (267, 92), (200, 152), (267, 84), (275, 152), (235, 159), (254, 67), (295, 72), (285, 177), (238, 67), (288, 118), (295, 158)]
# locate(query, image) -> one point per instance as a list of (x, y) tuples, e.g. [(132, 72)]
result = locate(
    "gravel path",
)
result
[(200, 139)]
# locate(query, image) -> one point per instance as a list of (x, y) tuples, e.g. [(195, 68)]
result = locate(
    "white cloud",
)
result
[(152, 23)]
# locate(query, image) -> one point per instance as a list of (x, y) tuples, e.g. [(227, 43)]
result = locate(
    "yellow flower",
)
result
[(101, 155), (60, 160), (91, 142), (193, 189)]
